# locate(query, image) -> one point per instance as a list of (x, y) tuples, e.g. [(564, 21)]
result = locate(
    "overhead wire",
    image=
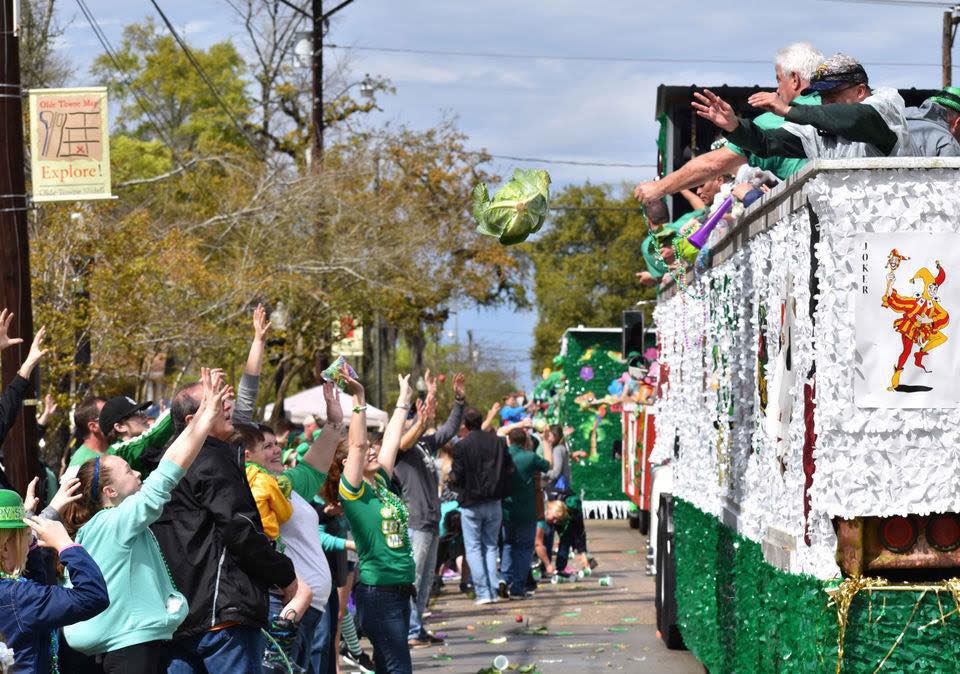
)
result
[(206, 79), (590, 58)]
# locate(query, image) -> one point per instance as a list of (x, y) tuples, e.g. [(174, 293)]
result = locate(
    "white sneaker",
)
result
[(484, 602)]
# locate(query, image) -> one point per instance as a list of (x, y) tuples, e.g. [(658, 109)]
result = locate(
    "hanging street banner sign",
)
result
[(69, 144)]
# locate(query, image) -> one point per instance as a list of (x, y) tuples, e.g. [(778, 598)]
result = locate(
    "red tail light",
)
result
[(943, 532), (898, 534)]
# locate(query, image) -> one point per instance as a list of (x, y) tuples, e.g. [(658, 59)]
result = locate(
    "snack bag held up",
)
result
[(334, 374)]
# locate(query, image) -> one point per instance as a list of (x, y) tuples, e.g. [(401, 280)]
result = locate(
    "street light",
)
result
[(367, 88), (303, 49)]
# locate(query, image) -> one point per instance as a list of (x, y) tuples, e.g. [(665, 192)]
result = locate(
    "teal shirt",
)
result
[(782, 167), (663, 238), (520, 507), (144, 603)]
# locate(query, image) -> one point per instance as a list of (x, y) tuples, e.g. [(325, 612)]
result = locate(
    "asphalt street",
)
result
[(570, 627)]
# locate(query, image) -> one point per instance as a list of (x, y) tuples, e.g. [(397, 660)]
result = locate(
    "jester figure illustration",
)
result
[(922, 319)]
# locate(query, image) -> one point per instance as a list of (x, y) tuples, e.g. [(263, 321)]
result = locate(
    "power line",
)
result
[(206, 79), (571, 162), (602, 59), (900, 3), (138, 95)]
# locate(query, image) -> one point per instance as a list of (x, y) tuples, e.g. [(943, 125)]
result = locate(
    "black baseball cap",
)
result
[(117, 409), (838, 71)]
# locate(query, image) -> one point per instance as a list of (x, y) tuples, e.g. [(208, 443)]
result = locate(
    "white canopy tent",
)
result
[(310, 402)]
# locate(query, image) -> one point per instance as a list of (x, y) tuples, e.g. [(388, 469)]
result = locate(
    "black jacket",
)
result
[(10, 403), (481, 468), (212, 539)]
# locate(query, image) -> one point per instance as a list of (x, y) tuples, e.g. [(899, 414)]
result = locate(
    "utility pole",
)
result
[(950, 21), (317, 63), (320, 21), (20, 462)]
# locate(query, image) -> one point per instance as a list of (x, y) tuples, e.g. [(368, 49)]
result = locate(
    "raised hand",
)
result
[(36, 353), (713, 108), (406, 391), (49, 409), (261, 326), (6, 318), (50, 534), (431, 382), (459, 385), (215, 391), (30, 500), (331, 396), (351, 385), (769, 101), (68, 492)]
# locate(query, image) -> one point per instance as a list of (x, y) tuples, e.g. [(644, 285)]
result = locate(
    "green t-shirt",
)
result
[(386, 557), (664, 236), (520, 507), (782, 167), (130, 450), (82, 455)]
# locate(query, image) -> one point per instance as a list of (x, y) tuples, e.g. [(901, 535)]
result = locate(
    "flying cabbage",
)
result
[(517, 210)]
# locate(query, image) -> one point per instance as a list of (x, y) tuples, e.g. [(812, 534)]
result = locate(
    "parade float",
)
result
[(808, 416), (582, 393)]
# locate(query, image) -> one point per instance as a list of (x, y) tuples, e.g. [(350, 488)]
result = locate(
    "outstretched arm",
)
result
[(250, 380), (391, 437), (694, 173), (357, 434)]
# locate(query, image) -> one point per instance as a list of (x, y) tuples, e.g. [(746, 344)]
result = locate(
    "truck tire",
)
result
[(644, 522), (665, 598)]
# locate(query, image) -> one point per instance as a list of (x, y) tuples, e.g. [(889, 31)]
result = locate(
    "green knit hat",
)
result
[(949, 97), (11, 510)]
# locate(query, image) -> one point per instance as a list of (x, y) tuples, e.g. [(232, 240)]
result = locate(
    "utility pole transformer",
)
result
[(20, 446)]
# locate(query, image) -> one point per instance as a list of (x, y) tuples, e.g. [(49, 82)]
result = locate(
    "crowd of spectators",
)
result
[(204, 541)]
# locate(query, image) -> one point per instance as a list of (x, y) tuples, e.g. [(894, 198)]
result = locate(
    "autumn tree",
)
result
[(584, 264)]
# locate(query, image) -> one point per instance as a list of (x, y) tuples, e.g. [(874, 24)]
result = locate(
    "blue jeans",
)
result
[(303, 646), (481, 524), (519, 541), (384, 615), (425, 544), (324, 650), (232, 649)]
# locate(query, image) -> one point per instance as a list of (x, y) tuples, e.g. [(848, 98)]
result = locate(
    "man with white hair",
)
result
[(854, 120), (795, 66)]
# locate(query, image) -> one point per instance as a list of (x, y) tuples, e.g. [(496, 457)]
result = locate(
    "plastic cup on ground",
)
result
[(500, 663)]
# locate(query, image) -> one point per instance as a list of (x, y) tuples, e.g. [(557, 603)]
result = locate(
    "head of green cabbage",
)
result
[(517, 210)]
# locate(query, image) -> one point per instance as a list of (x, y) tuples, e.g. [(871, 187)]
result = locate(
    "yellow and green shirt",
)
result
[(383, 547)]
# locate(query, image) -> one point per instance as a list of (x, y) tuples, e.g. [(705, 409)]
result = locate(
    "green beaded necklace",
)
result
[(388, 497)]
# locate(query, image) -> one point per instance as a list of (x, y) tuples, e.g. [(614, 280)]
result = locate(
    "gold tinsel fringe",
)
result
[(843, 595)]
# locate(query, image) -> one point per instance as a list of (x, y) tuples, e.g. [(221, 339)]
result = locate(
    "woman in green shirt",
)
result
[(112, 521), (378, 521)]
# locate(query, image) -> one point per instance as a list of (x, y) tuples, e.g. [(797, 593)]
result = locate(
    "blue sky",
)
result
[(584, 110)]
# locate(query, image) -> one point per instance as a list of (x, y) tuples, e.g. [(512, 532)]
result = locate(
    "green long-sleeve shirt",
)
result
[(855, 122), (129, 450)]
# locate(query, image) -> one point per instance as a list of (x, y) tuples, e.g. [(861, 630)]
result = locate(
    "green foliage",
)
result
[(584, 264), (517, 210), (185, 108)]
